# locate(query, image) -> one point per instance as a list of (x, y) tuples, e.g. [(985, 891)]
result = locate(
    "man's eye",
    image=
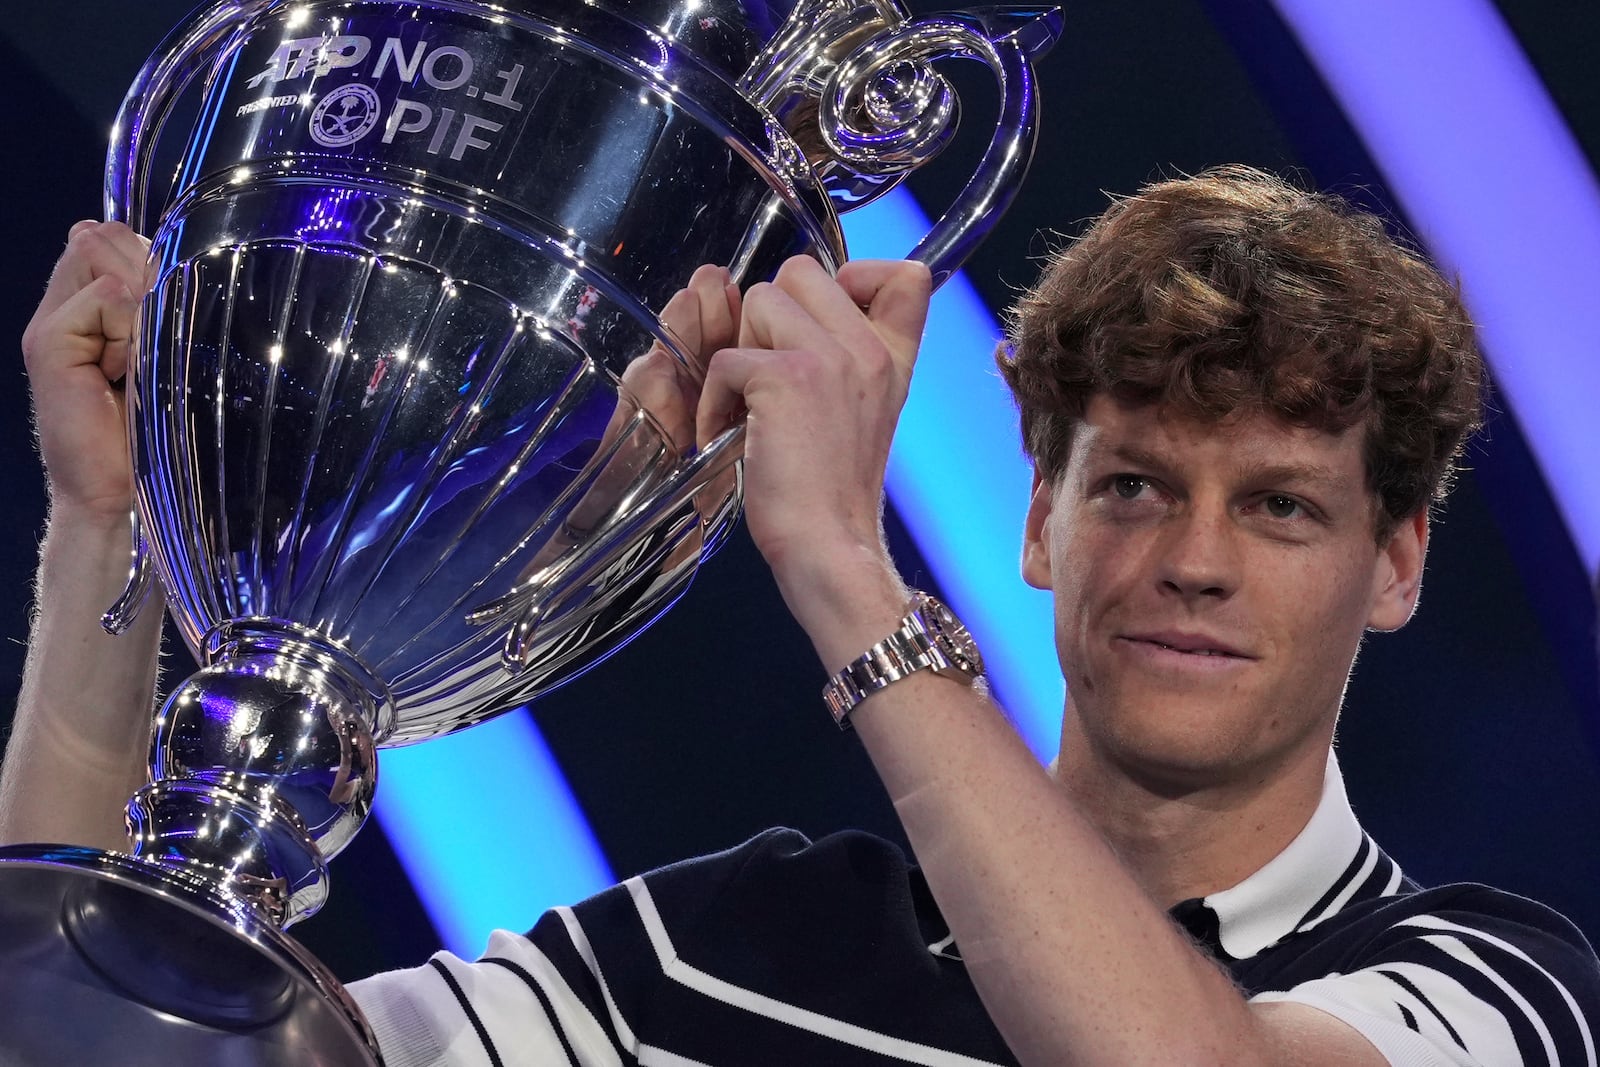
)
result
[(1128, 486), (1281, 507)]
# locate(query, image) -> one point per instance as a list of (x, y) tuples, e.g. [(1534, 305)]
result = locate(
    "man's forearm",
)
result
[(80, 740), (1073, 959)]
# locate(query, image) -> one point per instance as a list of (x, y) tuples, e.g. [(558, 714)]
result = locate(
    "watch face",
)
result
[(952, 637)]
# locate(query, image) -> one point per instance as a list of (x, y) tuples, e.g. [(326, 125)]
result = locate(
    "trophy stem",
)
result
[(256, 852), (263, 767)]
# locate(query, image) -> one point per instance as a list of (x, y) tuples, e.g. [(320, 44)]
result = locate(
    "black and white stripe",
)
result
[(631, 977), (782, 952), (467, 1010), (1458, 974), (1370, 874)]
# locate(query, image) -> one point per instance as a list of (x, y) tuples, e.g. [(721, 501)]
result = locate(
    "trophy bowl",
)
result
[(413, 431)]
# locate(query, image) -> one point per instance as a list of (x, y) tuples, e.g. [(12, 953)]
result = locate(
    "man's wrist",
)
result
[(929, 637), (81, 520), (846, 600), (87, 550)]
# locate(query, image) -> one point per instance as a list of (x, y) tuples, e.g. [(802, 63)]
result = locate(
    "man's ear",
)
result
[(1036, 534), (1397, 579)]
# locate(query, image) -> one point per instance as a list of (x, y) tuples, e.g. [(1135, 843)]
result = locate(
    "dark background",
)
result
[(1470, 740)]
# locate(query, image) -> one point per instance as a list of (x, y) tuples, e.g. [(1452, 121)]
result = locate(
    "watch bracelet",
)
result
[(897, 656)]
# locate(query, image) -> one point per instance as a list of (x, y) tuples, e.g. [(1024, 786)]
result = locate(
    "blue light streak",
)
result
[(488, 831), (1487, 172), (959, 480)]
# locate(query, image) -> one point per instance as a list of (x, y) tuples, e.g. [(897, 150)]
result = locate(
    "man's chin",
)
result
[(1190, 744)]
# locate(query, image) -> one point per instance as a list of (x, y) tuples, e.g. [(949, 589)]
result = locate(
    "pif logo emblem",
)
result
[(345, 116), (467, 99)]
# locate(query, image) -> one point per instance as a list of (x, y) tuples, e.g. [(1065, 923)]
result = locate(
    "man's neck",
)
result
[(1182, 843)]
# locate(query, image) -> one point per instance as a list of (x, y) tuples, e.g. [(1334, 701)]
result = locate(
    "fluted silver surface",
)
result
[(413, 435)]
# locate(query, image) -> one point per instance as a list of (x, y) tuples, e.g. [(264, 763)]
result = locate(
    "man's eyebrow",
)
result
[(1266, 473), (1139, 457), (1315, 474)]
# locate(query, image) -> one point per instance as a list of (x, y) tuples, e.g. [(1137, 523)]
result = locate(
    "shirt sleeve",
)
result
[(515, 1006), (569, 992), (1491, 980)]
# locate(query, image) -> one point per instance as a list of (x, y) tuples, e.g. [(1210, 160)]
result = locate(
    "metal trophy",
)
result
[(410, 430)]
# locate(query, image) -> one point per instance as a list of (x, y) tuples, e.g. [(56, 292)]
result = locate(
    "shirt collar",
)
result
[(1316, 874)]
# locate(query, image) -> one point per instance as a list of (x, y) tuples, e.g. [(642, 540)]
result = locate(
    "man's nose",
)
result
[(1199, 552)]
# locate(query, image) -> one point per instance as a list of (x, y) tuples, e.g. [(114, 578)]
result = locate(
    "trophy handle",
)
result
[(537, 600), (144, 112), (121, 615), (148, 103), (908, 111)]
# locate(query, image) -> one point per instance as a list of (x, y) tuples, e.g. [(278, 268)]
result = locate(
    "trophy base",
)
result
[(112, 960)]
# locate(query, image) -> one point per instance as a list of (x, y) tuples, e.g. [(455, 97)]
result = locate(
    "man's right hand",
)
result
[(77, 349), (82, 727)]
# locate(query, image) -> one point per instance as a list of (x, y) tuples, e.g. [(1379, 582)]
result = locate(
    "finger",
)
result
[(871, 305), (95, 251), (703, 316), (128, 252), (659, 383), (813, 301), (101, 319), (895, 293), (718, 304), (94, 325), (722, 394), (681, 319), (806, 311)]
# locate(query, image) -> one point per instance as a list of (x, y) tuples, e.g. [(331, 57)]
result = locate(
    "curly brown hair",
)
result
[(1234, 292)]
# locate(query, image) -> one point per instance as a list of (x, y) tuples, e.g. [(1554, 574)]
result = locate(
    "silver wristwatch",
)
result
[(930, 637)]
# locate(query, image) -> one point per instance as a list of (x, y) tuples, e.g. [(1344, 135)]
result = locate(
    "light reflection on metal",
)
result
[(300, 492)]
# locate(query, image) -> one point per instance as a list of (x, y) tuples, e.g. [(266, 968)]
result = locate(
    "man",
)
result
[(1241, 400)]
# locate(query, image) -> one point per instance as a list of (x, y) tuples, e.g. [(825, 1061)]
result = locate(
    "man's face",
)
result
[(1212, 583)]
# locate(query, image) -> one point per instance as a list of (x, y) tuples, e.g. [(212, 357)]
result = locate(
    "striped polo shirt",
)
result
[(784, 952)]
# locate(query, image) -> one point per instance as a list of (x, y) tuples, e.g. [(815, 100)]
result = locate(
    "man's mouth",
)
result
[(1191, 651), (1189, 645)]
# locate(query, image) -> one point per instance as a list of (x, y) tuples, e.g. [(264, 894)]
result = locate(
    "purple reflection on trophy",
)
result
[(412, 423)]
